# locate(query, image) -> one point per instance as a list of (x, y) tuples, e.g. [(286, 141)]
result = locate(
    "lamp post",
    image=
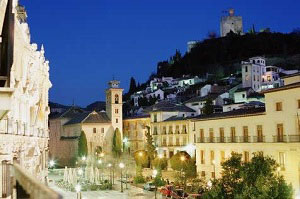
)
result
[(214, 164), (154, 176), (78, 191), (121, 165), (182, 158), (109, 166), (125, 141)]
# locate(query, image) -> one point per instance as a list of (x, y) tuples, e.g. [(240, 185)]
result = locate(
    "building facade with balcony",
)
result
[(24, 86), (134, 132), (273, 130)]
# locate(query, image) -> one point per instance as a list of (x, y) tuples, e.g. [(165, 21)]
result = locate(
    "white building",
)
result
[(156, 94), (24, 86)]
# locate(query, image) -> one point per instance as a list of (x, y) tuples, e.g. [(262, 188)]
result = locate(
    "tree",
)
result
[(183, 162), (160, 163), (132, 86), (117, 143), (150, 148), (208, 107), (82, 145), (141, 158), (254, 179)]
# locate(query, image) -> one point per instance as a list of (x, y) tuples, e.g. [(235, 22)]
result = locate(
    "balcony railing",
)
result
[(31, 186), (280, 138), (259, 139)]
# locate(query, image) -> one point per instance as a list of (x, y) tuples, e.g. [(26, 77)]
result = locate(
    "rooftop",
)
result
[(166, 106)]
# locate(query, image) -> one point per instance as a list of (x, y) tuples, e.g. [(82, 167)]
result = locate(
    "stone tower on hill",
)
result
[(231, 23)]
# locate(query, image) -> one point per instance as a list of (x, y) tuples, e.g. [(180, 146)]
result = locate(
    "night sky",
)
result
[(89, 41)]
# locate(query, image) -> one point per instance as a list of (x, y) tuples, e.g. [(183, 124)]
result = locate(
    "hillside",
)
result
[(222, 56)]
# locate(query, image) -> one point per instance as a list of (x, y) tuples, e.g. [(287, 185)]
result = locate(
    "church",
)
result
[(99, 127)]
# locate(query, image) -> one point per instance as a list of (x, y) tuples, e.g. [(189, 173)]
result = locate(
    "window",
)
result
[(212, 156), (116, 99), (211, 135), (177, 142), (164, 142), (164, 130), (222, 134), (278, 106), (170, 141), (137, 145), (184, 129), (246, 69), (94, 130), (280, 133), (259, 133), (202, 157), (201, 135), (170, 129), (298, 103), (246, 156), (102, 130), (232, 130), (213, 175), (177, 129), (195, 104), (282, 159), (155, 118), (203, 174), (116, 111), (243, 95), (245, 133), (222, 156), (155, 131), (117, 120), (184, 141)]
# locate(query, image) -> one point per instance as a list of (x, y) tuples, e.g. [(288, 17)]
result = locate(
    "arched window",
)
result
[(116, 99)]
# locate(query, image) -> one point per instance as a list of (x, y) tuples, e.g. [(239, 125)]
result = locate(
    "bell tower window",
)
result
[(116, 99)]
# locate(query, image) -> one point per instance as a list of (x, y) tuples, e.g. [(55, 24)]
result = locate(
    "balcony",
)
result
[(282, 138), (259, 139), (5, 98), (29, 187)]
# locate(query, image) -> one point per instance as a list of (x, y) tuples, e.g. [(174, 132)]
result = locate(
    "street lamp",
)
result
[(109, 166), (83, 158), (209, 184), (160, 156), (154, 175), (102, 155), (52, 163), (121, 165), (78, 191), (140, 154), (99, 161), (182, 158), (214, 164)]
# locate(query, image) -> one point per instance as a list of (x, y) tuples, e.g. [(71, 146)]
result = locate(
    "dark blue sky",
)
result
[(90, 41)]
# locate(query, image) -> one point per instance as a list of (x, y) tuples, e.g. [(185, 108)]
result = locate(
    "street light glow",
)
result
[(155, 173), (102, 154), (80, 171), (214, 162), (109, 165), (160, 156), (83, 158), (125, 140), (121, 165), (78, 188), (140, 154), (99, 161), (52, 163), (182, 158)]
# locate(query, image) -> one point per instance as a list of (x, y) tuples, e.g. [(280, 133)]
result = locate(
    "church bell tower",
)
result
[(114, 104)]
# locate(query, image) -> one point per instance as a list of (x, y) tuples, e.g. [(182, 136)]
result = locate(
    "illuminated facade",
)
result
[(24, 85)]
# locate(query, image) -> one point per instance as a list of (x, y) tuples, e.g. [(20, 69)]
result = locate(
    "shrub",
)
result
[(139, 179), (160, 163)]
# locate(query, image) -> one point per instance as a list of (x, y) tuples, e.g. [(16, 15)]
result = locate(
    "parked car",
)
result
[(194, 196), (179, 194), (149, 186), (166, 191)]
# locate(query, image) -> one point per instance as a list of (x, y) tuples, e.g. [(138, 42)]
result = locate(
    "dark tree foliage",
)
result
[(117, 143), (150, 148), (82, 145), (132, 86), (208, 107), (225, 52)]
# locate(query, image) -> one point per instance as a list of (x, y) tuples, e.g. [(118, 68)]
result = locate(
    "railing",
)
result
[(247, 139), (21, 129), (33, 187)]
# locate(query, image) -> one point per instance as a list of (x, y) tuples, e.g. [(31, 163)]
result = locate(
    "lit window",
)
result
[(279, 106), (222, 156), (202, 157), (282, 159), (102, 130), (246, 156), (203, 174), (212, 156), (155, 118)]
